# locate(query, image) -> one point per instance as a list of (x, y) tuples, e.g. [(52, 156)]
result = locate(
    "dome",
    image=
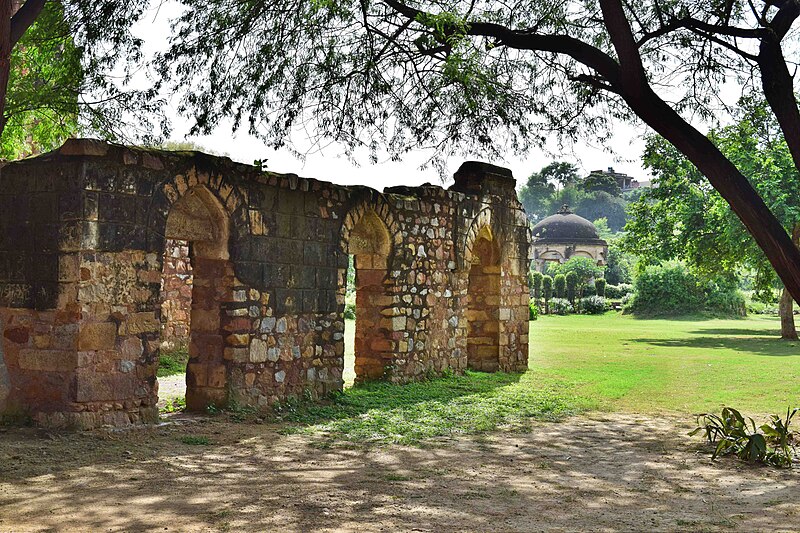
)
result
[(565, 227)]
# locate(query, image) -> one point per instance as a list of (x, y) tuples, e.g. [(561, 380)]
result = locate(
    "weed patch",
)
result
[(196, 440)]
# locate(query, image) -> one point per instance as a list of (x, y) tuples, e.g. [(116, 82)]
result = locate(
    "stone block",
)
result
[(97, 336), (138, 323), (258, 351), (48, 360), (99, 387)]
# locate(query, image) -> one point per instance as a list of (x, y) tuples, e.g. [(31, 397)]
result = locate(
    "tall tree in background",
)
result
[(63, 66), (683, 217), (483, 77)]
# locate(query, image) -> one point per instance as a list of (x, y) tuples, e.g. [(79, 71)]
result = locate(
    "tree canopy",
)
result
[(63, 69), (487, 78)]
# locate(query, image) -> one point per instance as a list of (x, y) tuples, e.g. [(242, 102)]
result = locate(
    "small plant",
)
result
[(534, 310), (734, 434), (593, 305), (350, 311), (560, 306), (195, 440), (174, 405)]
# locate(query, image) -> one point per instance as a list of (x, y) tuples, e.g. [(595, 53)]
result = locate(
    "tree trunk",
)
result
[(732, 185), (786, 307), (786, 310), (723, 175)]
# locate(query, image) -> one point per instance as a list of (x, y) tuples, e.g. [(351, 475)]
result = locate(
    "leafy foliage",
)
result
[(593, 305), (560, 285), (733, 434), (601, 181), (583, 269), (533, 308), (561, 306), (674, 290), (600, 287), (684, 218)]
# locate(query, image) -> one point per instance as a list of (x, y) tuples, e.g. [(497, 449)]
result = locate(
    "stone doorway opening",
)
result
[(483, 304), (372, 348), (196, 279)]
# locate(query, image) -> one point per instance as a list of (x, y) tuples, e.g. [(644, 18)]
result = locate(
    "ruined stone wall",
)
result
[(81, 337)]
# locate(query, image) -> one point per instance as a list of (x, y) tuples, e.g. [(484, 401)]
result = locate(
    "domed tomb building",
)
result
[(564, 235)]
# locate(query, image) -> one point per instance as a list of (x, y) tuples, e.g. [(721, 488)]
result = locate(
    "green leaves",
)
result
[(733, 434)]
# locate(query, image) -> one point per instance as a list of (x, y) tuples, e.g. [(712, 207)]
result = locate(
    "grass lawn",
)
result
[(683, 366)]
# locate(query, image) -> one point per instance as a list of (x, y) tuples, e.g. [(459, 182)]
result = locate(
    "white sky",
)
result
[(623, 152)]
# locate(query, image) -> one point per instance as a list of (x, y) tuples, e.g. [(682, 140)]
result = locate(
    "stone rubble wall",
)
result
[(82, 329)]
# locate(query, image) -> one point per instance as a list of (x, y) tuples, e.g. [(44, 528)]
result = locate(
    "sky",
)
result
[(622, 152)]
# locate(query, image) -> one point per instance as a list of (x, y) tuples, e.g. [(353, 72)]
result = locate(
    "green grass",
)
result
[(474, 403), (172, 362), (684, 365), (196, 440)]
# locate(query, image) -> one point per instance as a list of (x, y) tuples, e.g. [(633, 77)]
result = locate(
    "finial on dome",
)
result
[(565, 210)]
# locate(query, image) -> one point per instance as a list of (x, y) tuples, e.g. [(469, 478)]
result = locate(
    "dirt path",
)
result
[(598, 473)]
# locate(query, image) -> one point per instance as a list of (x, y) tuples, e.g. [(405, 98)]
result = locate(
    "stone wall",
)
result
[(81, 280), (176, 295)]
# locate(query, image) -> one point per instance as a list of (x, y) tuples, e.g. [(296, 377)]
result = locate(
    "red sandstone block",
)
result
[(98, 387)]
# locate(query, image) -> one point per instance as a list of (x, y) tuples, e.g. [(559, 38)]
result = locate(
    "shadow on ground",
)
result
[(762, 346), (616, 473)]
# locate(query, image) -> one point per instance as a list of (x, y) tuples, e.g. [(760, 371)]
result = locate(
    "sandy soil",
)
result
[(598, 473)]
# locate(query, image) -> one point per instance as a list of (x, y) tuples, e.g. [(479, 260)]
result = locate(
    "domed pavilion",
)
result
[(564, 235)]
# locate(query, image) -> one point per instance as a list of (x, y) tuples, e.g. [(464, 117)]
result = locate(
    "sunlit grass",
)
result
[(682, 366)]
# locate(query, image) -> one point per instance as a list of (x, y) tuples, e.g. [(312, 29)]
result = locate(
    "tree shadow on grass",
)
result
[(762, 346), (767, 334)]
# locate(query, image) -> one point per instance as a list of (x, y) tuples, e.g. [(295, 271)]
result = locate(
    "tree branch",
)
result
[(24, 18)]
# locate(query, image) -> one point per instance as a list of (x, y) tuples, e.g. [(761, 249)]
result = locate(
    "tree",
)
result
[(583, 268), (600, 204), (536, 285), (535, 196), (685, 218), (601, 181), (488, 78), (56, 62)]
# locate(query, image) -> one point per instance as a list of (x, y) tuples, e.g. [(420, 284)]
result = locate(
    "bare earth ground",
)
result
[(600, 472)]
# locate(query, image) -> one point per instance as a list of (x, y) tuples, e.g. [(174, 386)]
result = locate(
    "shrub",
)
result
[(560, 285), (536, 284), (534, 310), (600, 287), (673, 290), (547, 292), (560, 306), (572, 286), (593, 305), (617, 291), (350, 311)]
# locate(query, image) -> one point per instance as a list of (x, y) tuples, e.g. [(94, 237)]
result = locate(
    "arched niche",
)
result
[(370, 244), (483, 303), (198, 223)]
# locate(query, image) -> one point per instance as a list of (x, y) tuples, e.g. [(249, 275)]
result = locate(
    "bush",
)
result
[(593, 305), (350, 311), (673, 290), (534, 310), (618, 291), (600, 287), (560, 285), (560, 306)]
